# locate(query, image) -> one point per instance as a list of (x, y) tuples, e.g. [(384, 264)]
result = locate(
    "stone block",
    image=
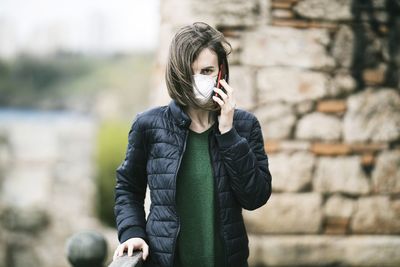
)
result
[(340, 174), (324, 9), (276, 119), (376, 215), (339, 206), (284, 46), (317, 250), (343, 46), (342, 84), (293, 179), (232, 12), (304, 107), (287, 213), (372, 115), (319, 126), (273, 85), (242, 81), (386, 174)]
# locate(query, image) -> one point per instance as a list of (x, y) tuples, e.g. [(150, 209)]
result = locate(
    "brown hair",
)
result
[(184, 49)]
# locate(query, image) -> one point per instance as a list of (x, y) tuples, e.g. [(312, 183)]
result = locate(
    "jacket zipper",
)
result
[(176, 174), (217, 205)]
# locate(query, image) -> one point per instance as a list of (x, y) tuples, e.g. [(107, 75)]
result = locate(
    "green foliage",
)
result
[(53, 82), (112, 142), (27, 80)]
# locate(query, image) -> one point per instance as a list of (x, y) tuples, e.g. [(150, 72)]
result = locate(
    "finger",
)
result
[(221, 93), (226, 86), (121, 250), (218, 100), (130, 249), (115, 254), (145, 252)]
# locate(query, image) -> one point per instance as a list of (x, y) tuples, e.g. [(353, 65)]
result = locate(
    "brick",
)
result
[(281, 5), (367, 147), (295, 23), (373, 76), (271, 146), (302, 24), (336, 225), (331, 106), (368, 159), (330, 149)]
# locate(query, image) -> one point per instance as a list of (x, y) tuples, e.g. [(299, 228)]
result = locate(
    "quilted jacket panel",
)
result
[(157, 141)]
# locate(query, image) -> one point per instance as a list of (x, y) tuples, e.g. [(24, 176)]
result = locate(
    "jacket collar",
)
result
[(182, 119), (179, 115)]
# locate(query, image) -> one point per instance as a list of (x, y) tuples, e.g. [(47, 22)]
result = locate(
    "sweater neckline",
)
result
[(203, 132)]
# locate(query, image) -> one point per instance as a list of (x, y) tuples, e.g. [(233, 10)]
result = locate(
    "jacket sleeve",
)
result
[(247, 165), (130, 189)]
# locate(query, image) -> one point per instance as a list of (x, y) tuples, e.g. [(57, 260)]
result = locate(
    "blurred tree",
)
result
[(112, 142)]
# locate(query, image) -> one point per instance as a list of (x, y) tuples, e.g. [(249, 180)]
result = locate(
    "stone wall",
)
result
[(47, 185), (323, 79)]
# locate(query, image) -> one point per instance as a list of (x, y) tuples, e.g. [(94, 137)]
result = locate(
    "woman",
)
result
[(202, 159)]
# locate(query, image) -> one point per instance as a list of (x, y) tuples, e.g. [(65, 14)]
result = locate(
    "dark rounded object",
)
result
[(86, 249)]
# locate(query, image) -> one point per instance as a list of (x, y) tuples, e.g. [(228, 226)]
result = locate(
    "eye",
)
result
[(206, 71)]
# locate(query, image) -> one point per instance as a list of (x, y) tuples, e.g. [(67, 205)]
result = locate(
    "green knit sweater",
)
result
[(198, 243)]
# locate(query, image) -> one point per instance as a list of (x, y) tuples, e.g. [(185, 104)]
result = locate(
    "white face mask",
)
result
[(203, 87)]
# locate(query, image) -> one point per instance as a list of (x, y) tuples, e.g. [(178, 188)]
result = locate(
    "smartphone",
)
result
[(222, 74)]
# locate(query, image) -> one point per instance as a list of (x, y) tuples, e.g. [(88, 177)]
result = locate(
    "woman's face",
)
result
[(206, 63)]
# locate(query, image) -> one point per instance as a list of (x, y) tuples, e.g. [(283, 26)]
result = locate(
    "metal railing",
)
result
[(89, 249)]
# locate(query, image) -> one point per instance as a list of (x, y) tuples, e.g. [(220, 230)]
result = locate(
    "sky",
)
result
[(89, 26)]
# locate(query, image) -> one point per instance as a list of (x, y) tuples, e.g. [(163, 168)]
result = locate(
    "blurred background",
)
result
[(321, 76)]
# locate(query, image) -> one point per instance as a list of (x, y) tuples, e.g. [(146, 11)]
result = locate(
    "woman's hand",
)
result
[(227, 105), (132, 244)]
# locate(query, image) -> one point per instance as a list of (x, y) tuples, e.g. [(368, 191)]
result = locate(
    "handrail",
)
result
[(125, 261), (89, 249)]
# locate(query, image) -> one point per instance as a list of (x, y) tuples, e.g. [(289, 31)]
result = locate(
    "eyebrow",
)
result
[(208, 67)]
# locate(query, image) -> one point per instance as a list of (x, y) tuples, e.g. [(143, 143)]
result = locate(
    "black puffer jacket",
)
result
[(157, 142)]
